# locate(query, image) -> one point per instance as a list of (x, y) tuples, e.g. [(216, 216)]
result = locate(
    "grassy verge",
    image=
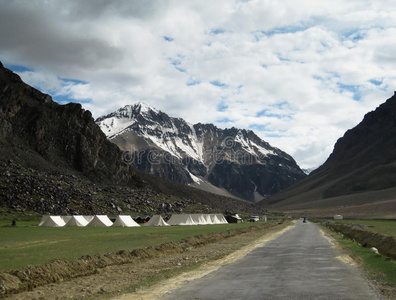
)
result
[(27, 244), (380, 271), (381, 226)]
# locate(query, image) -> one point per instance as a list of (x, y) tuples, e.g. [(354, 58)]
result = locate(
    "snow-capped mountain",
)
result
[(234, 160)]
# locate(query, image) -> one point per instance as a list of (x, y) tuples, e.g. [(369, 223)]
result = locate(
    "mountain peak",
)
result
[(116, 122), (201, 154), (142, 107), (133, 110)]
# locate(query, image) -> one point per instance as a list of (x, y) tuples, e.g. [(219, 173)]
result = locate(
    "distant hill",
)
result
[(55, 159), (230, 161), (361, 169)]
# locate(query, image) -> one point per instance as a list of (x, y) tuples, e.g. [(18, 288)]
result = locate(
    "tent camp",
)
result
[(183, 219), (100, 221), (52, 221), (156, 220), (79, 221), (125, 221)]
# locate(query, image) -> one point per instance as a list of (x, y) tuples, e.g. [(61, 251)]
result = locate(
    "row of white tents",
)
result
[(197, 219), (82, 221), (127, 221)]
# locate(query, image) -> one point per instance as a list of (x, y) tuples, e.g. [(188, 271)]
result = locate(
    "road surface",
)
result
[(299, 264)]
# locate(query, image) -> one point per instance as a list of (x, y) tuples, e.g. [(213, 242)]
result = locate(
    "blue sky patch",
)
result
[(193, 82), (222, 106), (218, 83), (281, 30), (64, 99), (168, 39), (267, 113), (259, 127), (17, 68), (354, 35), (74, 81), (225, 120), (355, 89), (177, 64), (376, 82), (281, 105), (217, 31)]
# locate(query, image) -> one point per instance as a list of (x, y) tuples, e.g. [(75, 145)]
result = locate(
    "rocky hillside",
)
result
[(55, 159), (232, 160), (363, 163), (60, 136)]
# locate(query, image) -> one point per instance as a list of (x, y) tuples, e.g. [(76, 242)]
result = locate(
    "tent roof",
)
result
[(222, 219), (183, 219), (125, 221), (52, 221), (156, 220), (100, 221), (199, 219), (77, 221)]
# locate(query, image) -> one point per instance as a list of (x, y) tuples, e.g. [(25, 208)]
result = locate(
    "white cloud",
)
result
[(300, 73)]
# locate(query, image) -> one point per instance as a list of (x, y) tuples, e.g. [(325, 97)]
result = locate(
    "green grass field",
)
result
[(381, 226), (27, 244)]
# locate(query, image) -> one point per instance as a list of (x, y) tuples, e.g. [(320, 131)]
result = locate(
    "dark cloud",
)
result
[(94, 9), (45, 40)]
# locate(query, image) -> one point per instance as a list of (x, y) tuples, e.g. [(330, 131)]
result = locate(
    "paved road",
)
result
[(299, 264)]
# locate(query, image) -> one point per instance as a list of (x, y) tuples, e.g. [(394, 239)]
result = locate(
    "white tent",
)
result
[(338, 217), (52, 221), (100, 221), (221, 218), (183, 219), (66, 218), (156, 220), (199, 219), (88, 218), (215, 219), (125, 221), (43, 219), (208, 219), (79, 221)]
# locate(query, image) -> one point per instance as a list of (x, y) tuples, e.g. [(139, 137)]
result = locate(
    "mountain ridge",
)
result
[(195, 153)]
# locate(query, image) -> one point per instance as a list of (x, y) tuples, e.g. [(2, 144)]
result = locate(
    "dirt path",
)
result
[(118, 280)]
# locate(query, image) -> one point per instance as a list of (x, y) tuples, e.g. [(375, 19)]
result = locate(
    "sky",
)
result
[(298, 73)]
